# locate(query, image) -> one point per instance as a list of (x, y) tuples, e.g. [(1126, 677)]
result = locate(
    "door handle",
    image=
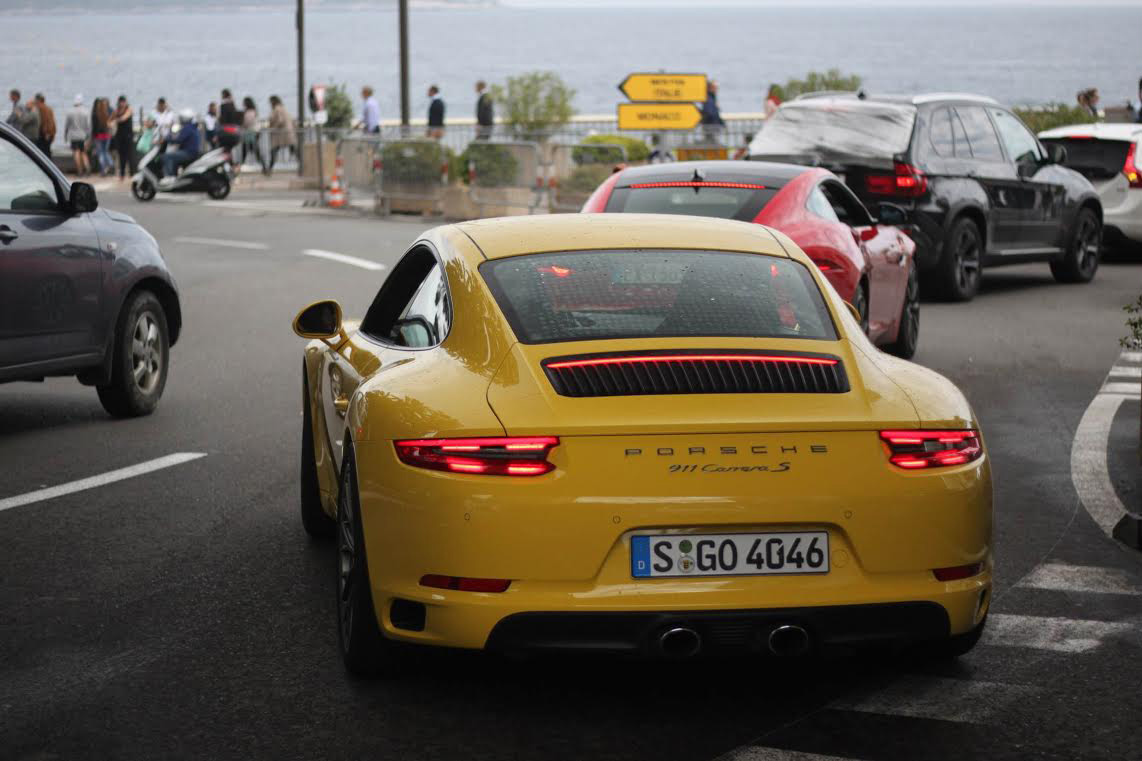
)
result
[(7, 234)]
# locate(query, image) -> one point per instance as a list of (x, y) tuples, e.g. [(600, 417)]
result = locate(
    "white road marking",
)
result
[(776, 754), (223, 243), (1063, 635), (101, 480), (926, 697), (1089, 470), (1131, 356), (1081, 578), (364, 264), (1126, 371)]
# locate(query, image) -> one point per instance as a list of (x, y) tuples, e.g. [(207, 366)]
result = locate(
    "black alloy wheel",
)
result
[(959, 268), (1080, 261), (908, 334), (141, 358)]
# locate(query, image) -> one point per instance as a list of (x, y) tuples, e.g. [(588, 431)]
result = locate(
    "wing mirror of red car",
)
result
[(890, 214), (321, 319)]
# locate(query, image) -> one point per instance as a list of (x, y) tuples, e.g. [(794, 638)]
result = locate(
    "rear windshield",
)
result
[(846, 128), (1097, 159), (698, 200), (587, 295)]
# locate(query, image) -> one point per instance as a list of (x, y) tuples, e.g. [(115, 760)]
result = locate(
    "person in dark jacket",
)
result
[(183, 147), (435, 113), (485, 112), (711, 116), (123, 122), (229, 122), (47, 125)]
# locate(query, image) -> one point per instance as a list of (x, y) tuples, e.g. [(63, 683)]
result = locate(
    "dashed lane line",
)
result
[(103, 479), (364, 264), (1121, 371), (250, 245), (1081, 578)]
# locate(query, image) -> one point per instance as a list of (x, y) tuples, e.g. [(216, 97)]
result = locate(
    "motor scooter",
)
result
[(210, 173)]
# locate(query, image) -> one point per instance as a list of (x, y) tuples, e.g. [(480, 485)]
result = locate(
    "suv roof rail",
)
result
[(938, 96), (826, 94)]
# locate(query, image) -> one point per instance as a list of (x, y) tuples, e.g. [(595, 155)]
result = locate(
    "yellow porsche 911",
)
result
[(652, 435)]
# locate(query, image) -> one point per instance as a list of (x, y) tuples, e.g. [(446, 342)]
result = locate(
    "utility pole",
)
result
[(300, 83), (403, 65)]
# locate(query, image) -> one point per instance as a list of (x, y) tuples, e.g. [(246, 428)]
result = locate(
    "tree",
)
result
[(815, 81), (339, 107), (535, 104)]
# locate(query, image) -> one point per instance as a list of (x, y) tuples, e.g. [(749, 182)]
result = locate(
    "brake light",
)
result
[(916, 450), (637, 360), (507, 456), (906, 181), (1130, 169), (957, 572), (823, 266), (699, 184), (463, 584)]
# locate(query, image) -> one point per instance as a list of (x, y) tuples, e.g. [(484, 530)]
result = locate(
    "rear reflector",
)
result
[(957, 572), (699, 184), (917, 450), (462, 584), (495, 456)]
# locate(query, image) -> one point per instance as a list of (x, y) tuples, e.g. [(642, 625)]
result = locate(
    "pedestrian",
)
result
[(772, 100), (164, 118), (101, 135), (711, 116), (210, 125), (281, 131), (16, 116), (30, 125), (371, 115), (123, 122), (485, 112), (47, 125), (435, 113), (147, 137), (1088, 101), (229, 123), (76, 132), (250, 144), (659, 154)]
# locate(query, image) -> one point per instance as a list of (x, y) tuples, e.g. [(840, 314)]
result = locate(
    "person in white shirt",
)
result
[(164, 119)]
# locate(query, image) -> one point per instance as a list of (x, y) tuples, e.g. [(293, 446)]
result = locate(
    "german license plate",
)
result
[(787, 552)]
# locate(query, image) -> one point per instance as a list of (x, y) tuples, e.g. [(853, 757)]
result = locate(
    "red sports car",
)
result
[(868, 260)]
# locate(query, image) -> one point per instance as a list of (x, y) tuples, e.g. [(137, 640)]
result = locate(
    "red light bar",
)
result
[(689, 357), (916, 450), (489, 456), (957, 572), (463, 584), (699, 184)]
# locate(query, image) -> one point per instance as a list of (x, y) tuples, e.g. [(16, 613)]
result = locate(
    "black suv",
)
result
[(979, 188), (83, 291)]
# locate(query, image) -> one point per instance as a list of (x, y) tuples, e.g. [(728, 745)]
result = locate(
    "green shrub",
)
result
[(815, 81), (494, 164), (415, 162), (1134, 325), (535, 104), (584, 179), (636, 150), (339, 107), (1039, 118)]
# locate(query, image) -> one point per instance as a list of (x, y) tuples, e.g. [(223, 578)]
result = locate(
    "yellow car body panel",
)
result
[(811, 461)]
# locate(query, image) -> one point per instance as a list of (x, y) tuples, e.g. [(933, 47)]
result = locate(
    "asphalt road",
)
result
[(183, 613)]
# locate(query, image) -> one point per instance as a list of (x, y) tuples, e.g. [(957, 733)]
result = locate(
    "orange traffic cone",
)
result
[(336, 198)]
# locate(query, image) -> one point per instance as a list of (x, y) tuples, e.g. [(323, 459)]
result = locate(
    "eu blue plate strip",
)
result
[(639, 556)]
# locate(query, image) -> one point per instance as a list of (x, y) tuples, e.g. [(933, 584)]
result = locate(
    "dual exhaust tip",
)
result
[(684, 642)]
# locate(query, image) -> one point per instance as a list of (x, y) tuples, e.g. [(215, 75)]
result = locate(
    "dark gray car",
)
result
[(83, 291)]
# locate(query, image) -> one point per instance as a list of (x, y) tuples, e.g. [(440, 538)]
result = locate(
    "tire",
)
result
[(219, 188), (313, 518), (860, 301), (364, 649), (140, 360), (958, 645), (957, 274), (908, 335), (1080, 261), (144, 190)]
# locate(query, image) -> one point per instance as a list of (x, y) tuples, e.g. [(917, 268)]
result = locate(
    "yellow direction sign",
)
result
[(656, 116), (673, 88)]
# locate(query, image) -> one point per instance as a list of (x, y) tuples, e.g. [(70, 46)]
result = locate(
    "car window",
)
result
[(24, 186), (697, 199), (1022, 147), (845, 205), (413, 308), (940, 133), (959, 136), (981, 135), (819, 205), (594, 295), (836, 127)]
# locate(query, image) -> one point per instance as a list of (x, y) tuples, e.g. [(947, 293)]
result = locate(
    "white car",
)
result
[(1108, 155)]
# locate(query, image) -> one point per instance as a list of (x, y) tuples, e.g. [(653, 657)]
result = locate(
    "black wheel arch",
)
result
[(172, 309)]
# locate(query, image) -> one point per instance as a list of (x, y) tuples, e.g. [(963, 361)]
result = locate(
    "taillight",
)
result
[(464, 584), (957, 572), (916, 450), (508, 456), (906, 181), (1130, 169)]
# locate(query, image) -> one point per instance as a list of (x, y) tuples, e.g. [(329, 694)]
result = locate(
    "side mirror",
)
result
[(82, 198), (890, 214), (853, 311), (322, 319), (1056, 154)]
